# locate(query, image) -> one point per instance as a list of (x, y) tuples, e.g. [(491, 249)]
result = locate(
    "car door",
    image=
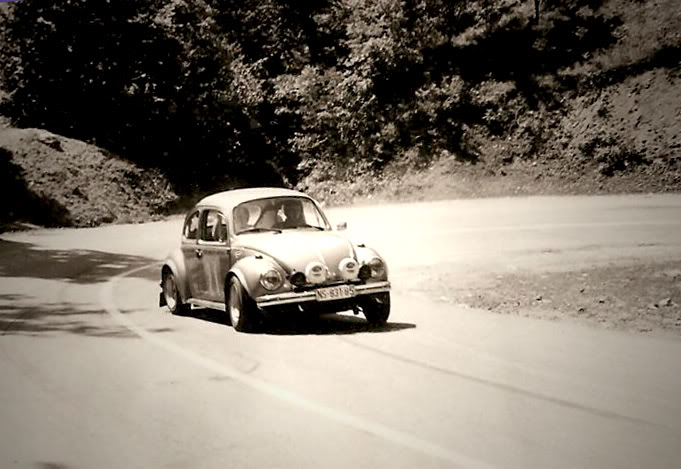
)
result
[(215, 248), (192, 254)]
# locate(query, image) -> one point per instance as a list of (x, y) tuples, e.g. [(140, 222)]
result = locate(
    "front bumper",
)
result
[(289, 298)]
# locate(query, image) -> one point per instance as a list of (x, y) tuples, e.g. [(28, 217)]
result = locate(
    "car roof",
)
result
[(229, 199)]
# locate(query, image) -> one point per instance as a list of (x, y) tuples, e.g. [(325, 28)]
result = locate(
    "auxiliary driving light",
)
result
[(315, 272), (349, 268), (365, 272), (297, 279)]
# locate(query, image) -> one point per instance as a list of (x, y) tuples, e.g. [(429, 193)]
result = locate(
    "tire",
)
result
[(376, 308), (240, 310), (172, 295)]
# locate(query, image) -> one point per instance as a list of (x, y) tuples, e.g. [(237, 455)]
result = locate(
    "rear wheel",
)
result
[(240, 307), (172, 295), (376, 308)]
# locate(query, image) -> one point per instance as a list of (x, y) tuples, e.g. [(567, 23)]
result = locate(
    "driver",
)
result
[(293, 212)]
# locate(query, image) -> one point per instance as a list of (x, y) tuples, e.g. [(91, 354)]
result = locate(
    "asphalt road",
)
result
[(94, 374)]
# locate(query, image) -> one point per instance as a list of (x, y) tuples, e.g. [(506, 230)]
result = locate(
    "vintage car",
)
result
[(259, 252)]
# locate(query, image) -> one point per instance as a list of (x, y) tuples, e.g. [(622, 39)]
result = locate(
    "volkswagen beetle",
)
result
[(255, 253)]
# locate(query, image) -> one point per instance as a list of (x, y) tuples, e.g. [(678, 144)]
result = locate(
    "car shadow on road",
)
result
[(328, 324), (332, 324)]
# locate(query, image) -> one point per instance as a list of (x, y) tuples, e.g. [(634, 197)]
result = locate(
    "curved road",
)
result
[(94, 374)]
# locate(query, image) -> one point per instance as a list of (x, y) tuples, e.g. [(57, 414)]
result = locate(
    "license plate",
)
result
[(335, 293)]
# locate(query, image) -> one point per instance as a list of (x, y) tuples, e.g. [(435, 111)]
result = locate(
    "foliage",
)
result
[(152, 80), (263, 91)]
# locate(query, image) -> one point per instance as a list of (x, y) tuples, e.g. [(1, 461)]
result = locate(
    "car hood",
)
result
[(294, 250)]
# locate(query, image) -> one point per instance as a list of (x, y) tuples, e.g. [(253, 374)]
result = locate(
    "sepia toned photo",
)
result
[(340, 234)]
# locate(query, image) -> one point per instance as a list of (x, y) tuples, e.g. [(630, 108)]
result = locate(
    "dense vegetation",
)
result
[(273, 92)]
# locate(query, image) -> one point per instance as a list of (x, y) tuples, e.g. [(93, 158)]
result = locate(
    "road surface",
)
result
[(95, 374)]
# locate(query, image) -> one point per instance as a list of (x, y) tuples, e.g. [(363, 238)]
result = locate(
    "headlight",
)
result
[(377, 267), (348, 268), (315, 272), (271, 280)]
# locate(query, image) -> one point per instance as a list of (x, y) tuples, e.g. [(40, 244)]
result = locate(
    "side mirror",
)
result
[(342, 226)]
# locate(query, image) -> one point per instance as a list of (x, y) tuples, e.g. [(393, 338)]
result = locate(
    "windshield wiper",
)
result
[(310, 226), (258, 229)]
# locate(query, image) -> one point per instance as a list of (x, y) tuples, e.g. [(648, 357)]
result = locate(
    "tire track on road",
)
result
[(506, 387), (363, 425)]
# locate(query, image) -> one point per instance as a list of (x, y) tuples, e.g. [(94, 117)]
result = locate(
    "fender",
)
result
[(248, 271), (175, 262)]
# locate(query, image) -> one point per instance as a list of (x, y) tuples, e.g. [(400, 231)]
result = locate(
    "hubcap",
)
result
[(234, 306)]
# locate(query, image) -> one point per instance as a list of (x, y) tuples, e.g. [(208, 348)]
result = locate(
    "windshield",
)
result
[(276, 214)]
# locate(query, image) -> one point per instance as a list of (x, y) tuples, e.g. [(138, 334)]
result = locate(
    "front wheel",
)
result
[(172, 295), (240, 307), (376, 308)]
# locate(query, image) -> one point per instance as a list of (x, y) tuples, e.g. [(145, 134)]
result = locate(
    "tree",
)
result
[(157, 81), (537, 4)]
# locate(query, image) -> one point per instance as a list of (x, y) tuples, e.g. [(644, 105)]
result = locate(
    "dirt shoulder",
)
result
[(644, 298), (448, 179)]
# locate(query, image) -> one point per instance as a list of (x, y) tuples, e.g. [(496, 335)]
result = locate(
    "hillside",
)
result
[(608, 124), (50, 180), (352, 102), (623, 138)]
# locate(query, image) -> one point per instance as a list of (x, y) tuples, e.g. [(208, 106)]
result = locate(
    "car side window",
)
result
[(213, 227), (191, 227)]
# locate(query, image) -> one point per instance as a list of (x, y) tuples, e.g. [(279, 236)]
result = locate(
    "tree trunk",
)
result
[(537, 3)]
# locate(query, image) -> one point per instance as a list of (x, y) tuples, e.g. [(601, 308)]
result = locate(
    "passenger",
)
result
[(268, 216), (240, 219)]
